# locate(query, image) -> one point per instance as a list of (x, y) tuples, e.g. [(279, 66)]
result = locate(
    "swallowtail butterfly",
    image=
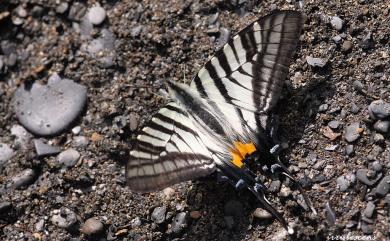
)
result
[(222, 120)]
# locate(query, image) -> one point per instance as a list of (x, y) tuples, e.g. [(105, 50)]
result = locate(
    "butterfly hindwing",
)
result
[(167, 151)]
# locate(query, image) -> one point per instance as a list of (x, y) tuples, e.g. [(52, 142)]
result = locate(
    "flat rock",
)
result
[(23, 178), (363, 176), (383, 187), (44, 149), (49, 109), (6, 153), (352, 132), (69, 157)]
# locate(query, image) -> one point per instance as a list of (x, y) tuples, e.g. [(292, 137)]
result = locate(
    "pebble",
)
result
[(92, 226), (62, 7), (376, 166), (49, 109), (76, 130), (316, 62), (262, 214), (69, 157), (379, 138), (322, 108), (367, 42), (379, 109), (382, 126), (274, 187), (362, 176), (336, 23), (158, 215), (224, 37), (136, 222), (80, 141), (44, 149), (22, 137), (285, 191), (347, 46), (358, 85), (64, 218), (23, 178), (352, 132), (40, 225), (136, 31), (383, 187), (96, 15), (329, 214), (229, 221), (367, 228), (354, 108), (179, 222), (349, 150), (6, 153), (334, 124), (195, 214), (344, 182), (133, 119), (369, 210)]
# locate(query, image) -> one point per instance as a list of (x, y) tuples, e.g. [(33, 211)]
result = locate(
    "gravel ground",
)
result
[(79, 79)]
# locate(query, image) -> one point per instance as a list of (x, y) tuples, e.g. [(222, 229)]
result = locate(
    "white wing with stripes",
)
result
[(245, 77), (167, 151)]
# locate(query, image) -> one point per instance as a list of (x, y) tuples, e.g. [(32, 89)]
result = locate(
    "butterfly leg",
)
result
[(258, 191)]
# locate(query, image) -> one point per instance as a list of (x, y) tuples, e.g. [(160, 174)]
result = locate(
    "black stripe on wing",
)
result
[(168, 151)]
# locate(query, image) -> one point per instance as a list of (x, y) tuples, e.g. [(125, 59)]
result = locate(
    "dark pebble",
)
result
[(379, 109), (344, 182), (336, 23), (383, 187), (354, 108), (330, 214), (158, 215), (24, 178), (179, 222), (49, 109), (376, 166), (6, 153), (359, 86), (363, 176), (369, 210), (92, 226), (262, 214), (382, 126), (44, 149), (62, 7), (367, 42)]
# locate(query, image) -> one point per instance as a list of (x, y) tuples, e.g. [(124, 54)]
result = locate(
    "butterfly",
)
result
[(222, 121)]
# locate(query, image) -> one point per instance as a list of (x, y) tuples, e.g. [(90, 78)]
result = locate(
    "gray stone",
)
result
[(359, 86), (44, 149), (224, 37), (336, 23), (64, 218), (347, 46), (323, 108), (40, 225), (49, 109), (6, 153), (352, 132), (69, 157), (92, 226), (96, 15), (76, 130), (379, 109), (367, 42), (80, 141), (366, 177), (136, 222), (86, 27), (62, 7), (334, 124), (22, 137), (383, 187), (369, 210), (379, 138), (158, 215), (179, 222), (382, 126), (76, 11), (367, 228), (344, 182), (23, 178), (316, 62), (349, 150), (354, 108), (330, 214)]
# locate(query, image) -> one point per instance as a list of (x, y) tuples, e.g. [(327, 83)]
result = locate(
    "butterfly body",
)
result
[(224, 115)]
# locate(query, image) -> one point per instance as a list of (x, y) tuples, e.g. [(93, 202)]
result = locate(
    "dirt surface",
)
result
[(124, 61)]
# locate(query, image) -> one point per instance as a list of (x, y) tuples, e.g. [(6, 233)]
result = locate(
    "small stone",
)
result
[(367, 228), (92, 226), (195, 214), (331, 147), (64, 218), (233, 208), (76, 11), (274, 187), (62, 7), (136, 31), (23, 137), (322, 108), (133, 119), (158, 215), (316, 62), (367, 42), (179, 222), (352, 132), (336, 23), (95, 137), (354, 108), (344, 182), (168, 192), (136, 222), (229, 221), (6, 153), (285, 191), (69, 157), (379, 109), (347, 46), (337, 39), (382, 126), (44, 149), (351, 224), (40, 225), (334, 124), (363, 176), (383, 187), (23, 179), (359, 86), (96, 15), (262, 214), (330, 214), (49, 109), (36, 11), (328, 133), (369, 210), (349, 150), (80, 141), (76, 130)]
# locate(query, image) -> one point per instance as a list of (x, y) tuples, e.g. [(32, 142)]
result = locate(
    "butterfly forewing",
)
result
[(167, 151)]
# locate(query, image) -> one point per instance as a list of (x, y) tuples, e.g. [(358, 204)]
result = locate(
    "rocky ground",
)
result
[(78, 79)]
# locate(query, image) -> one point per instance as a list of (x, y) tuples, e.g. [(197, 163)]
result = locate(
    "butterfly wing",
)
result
[(245, 77), (167, 151)]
